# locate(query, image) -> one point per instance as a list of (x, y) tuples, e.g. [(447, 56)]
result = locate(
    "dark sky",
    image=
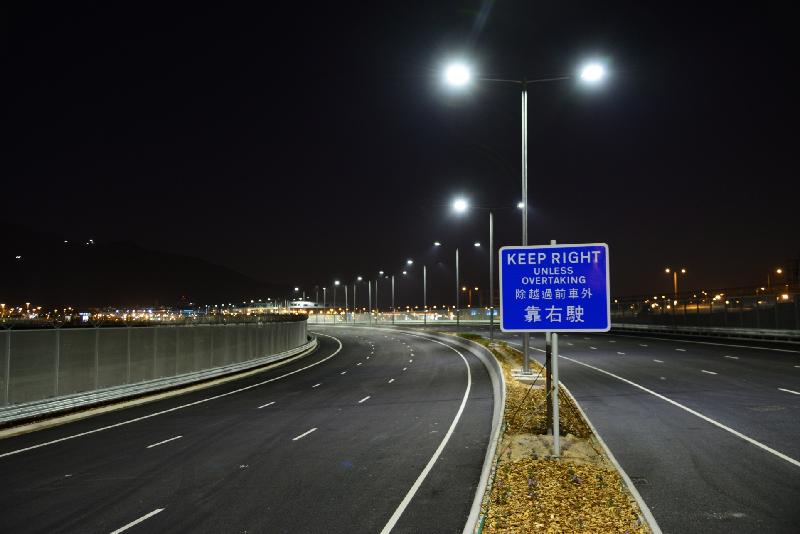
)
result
[(301, 142)]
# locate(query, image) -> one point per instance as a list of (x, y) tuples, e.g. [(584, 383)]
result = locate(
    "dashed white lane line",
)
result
[(593, 348), (410, 361), (387, 528), (368, 357), (163, 442), (267, 404), (707, 372), (693, 412), (404, 368), (732, 357), (611, 341), (789, 391), (797, 366), (182, 406), (364, 399), (391, 380), (304, 434), (658, 361), (681, 350), (343, 373), (642, 345), (316, 385), (359, 363), (134, 523), (621, 353), (570, 344)]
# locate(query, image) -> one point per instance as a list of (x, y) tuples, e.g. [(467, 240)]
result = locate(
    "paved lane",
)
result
[(736, 470), (333, 446)]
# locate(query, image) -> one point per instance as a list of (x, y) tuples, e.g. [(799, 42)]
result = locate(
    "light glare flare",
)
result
[(460, 205), (593, 73)]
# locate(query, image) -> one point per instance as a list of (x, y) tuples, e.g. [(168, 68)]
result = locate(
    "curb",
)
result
[(648, 515)]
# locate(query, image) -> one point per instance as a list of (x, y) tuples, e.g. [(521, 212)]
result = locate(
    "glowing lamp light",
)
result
[(520, 205), (457, 75), (593, 73), (460, 205)]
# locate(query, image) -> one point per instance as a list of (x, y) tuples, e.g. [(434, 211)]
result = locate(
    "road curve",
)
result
[(377, 431)]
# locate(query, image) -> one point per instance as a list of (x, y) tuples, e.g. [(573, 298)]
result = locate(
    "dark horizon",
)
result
[(299, 145)]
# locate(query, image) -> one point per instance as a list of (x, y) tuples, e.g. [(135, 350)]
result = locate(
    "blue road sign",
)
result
[(555, 288)]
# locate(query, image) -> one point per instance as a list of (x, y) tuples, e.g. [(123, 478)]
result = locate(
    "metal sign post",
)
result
[(552, 289)]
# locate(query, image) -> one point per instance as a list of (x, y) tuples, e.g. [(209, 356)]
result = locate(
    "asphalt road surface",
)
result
[(375, 431), (708, 431)]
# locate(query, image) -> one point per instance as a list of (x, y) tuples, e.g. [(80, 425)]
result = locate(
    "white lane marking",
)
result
[(391, 380), (421, 478), (707, 372), (364, 399), (789, 391), (134, 523), (797, 366), (267, 404), (693, 412), (368, 357), (182, 406), (611, 341), (570, 344), (404, 368), (681, 350), (732, 357), (593, 348), (621, 353), (343, 373), (410, 361), (642, 345), (163, 442), (359, 363), (304, 434), (316, 385), (658, 361)]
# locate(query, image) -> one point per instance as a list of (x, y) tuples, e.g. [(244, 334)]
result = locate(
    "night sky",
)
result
[(300, 142)]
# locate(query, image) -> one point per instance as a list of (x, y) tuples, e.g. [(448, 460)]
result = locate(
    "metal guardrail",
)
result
[(47, 407), (792, 336)]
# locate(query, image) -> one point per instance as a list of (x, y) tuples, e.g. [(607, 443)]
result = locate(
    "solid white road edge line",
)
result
[(176, 408), (421, 478), (708, 343), (693, 412), (134, 523), (304, 434), (163, 442), (789, 391)]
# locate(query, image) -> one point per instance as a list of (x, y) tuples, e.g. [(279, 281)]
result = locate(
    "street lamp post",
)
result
[(458, 324), (460, 75), (674, 279), (424, 295), (392, 298)]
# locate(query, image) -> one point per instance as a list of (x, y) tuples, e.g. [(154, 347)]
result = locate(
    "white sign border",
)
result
[(564, 245)]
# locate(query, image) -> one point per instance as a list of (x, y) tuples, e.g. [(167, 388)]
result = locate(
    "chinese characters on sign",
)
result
[(555, 288)]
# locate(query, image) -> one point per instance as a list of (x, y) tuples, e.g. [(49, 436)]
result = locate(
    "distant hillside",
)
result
[(53, 273)]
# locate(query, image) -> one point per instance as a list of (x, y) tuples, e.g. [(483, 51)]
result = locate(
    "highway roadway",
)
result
[(377, 431), (708, 431)]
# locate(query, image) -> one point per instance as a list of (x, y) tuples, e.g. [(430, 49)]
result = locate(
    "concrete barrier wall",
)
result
[(47, 363)]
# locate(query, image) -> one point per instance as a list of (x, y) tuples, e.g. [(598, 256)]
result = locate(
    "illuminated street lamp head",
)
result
[(683, 271), (297, 289), (437, 244), (409, 262), (358, 278), (520, 205), (380, 273), (779, 271), (460, 205), (477, 244), (405, 273), (593, 73), (667, 270), (457, 74), (336, 282)]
